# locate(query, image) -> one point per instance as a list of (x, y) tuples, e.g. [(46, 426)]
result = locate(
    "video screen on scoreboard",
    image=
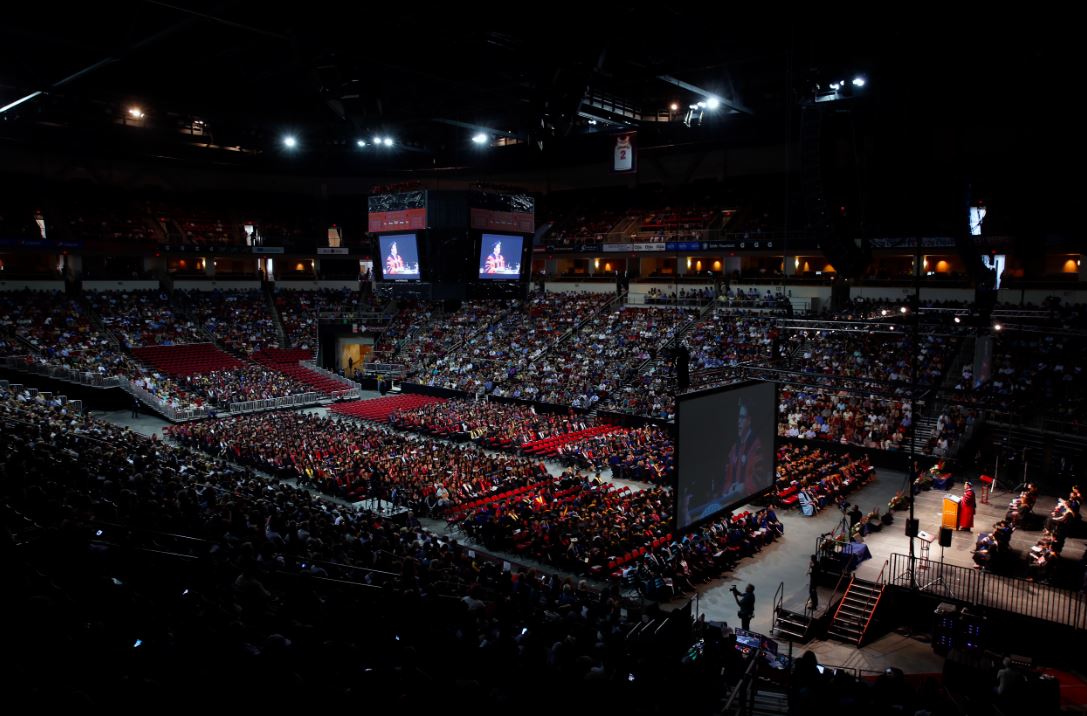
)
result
[(500, 257), (399, 257), (725, 449)]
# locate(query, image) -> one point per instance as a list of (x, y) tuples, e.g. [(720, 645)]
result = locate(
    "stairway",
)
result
[(791, 625), (766, 701), (856, 611), (277, 321)]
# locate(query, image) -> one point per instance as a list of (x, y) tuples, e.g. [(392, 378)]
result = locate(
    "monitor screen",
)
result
[(500, 257), (725, 450), (399, 257)]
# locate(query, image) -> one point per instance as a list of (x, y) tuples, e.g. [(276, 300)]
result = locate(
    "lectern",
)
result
[(951, 512)]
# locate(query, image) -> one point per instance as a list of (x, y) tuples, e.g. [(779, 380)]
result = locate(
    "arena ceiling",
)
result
[(229, 81)]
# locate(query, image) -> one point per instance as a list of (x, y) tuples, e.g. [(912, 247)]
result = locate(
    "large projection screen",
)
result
[(500, 257), (725, 449), (399, 257)]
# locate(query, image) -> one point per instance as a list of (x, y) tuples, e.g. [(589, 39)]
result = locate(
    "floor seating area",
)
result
[(379, 409)]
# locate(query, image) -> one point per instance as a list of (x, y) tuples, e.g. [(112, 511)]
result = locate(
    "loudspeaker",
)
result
[(912, 526), (945, 536)]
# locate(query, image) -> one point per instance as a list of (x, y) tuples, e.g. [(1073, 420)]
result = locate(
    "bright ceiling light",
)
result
[(858, 81), (713, 103), (377, 140), (135, 112), (290, 142), (997, 326), (674, 106), (360, 143), (388, 141), (480, 138)]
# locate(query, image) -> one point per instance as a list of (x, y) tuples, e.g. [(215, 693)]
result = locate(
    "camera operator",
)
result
[(746, 602)]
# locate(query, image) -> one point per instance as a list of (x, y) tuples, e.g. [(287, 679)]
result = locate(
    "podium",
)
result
[(951, 512), (926, 540)]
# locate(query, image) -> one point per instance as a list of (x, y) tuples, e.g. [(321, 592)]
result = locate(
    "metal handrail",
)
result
[(992, 591)]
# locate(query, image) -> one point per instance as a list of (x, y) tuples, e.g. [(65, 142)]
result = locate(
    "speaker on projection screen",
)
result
[(912, 525), (945, 536)]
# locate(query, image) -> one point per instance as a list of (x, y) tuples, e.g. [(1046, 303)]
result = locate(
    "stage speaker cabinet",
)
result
[(912, 526), (945, 536)]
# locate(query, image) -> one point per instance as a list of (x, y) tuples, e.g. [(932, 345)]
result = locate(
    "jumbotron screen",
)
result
[(500, 257), (399, 257), (725, 451)]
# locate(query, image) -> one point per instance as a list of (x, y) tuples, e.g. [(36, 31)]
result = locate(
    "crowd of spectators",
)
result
[(240, 321), (504, 358), (645, 454), (300, 310), (144, 318), (352, 460), (246, 593), (491, 424), (810, 478)]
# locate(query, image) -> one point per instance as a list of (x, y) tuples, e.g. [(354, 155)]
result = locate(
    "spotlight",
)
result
[(388, 141), (858, 81), (997, 327), (480, 138), (903, 310), (958, 320), (360, 143), (290, 142), (713, 103), (377, 140), (135, 113), (674, 106)]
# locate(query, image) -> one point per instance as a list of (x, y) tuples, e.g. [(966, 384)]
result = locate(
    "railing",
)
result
[(71, 375), (172, 413), (1010, 594), (745, 688), (348, 384), (287, 401), (384, 368)]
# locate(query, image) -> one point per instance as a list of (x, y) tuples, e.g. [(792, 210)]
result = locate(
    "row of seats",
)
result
[(186, 359), (549, 447), (379, 409), (286, 362)]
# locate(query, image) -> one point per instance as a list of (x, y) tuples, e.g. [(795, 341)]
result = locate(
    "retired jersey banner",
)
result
[(625, 154)]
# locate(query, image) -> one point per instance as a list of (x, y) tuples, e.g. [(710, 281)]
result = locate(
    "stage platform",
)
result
[(1013, 592)]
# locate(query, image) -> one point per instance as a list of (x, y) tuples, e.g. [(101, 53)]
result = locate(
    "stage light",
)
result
[(674, 107), (958, 320), (997, 327), (903, 310), (858, 81), (290, 142), (481, 138), (883, 312), (135, 112), (388, 141), (713, 103), (18, 102), (360, 143), (377, 140)]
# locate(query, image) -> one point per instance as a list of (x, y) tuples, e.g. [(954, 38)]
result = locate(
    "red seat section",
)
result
[(286, 361), (186, 359), (379, 409)]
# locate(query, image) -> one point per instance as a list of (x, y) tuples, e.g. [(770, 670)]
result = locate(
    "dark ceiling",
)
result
[(431, 77)]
